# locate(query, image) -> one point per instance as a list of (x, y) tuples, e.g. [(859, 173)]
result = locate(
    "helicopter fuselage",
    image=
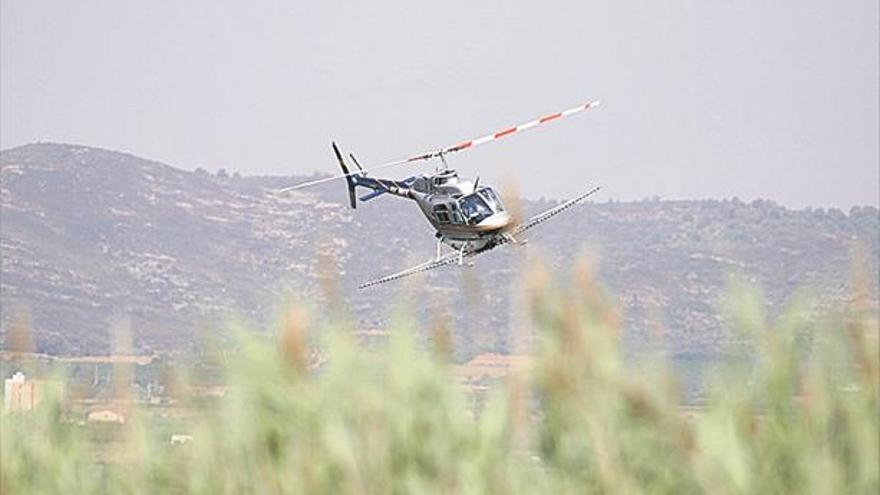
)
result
[(463, 213)]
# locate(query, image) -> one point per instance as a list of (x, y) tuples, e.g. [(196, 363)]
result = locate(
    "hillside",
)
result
[(90, 235)]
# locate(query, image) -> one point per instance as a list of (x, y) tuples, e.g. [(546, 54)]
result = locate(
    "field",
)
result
[(795, 412)]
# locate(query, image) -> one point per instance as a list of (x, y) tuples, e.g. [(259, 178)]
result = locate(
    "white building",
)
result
[(19, 394)]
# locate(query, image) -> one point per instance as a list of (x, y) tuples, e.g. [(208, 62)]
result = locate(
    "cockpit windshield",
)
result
[(474, 208), (492, 199)]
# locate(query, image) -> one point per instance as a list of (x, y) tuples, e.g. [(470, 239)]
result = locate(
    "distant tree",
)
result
[(836, 214)]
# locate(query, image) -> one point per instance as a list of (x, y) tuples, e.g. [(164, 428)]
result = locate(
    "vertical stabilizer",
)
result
[(351, 180)]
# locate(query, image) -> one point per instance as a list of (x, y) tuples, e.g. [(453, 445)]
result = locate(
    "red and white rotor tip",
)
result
[(510, 130)]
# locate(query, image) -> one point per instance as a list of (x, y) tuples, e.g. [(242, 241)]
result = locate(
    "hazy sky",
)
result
[(774, 99)]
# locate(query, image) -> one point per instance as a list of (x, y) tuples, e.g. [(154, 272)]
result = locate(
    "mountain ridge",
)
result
[(91, 235)]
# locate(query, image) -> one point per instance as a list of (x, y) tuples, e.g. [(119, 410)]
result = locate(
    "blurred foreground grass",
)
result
[(799, 416)]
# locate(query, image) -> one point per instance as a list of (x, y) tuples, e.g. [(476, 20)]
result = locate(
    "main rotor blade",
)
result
[(463, 145), (342, 176)]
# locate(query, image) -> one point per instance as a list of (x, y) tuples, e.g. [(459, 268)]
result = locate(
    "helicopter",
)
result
[(469, 217)]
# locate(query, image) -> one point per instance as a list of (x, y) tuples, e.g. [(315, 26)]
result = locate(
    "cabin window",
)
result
[(474, 208), (441, 212), (492, 199)]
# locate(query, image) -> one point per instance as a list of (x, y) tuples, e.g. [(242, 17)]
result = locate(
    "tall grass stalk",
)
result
[(799, 416)]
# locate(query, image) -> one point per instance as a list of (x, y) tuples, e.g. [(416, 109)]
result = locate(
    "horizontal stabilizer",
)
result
[(372, 195)]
